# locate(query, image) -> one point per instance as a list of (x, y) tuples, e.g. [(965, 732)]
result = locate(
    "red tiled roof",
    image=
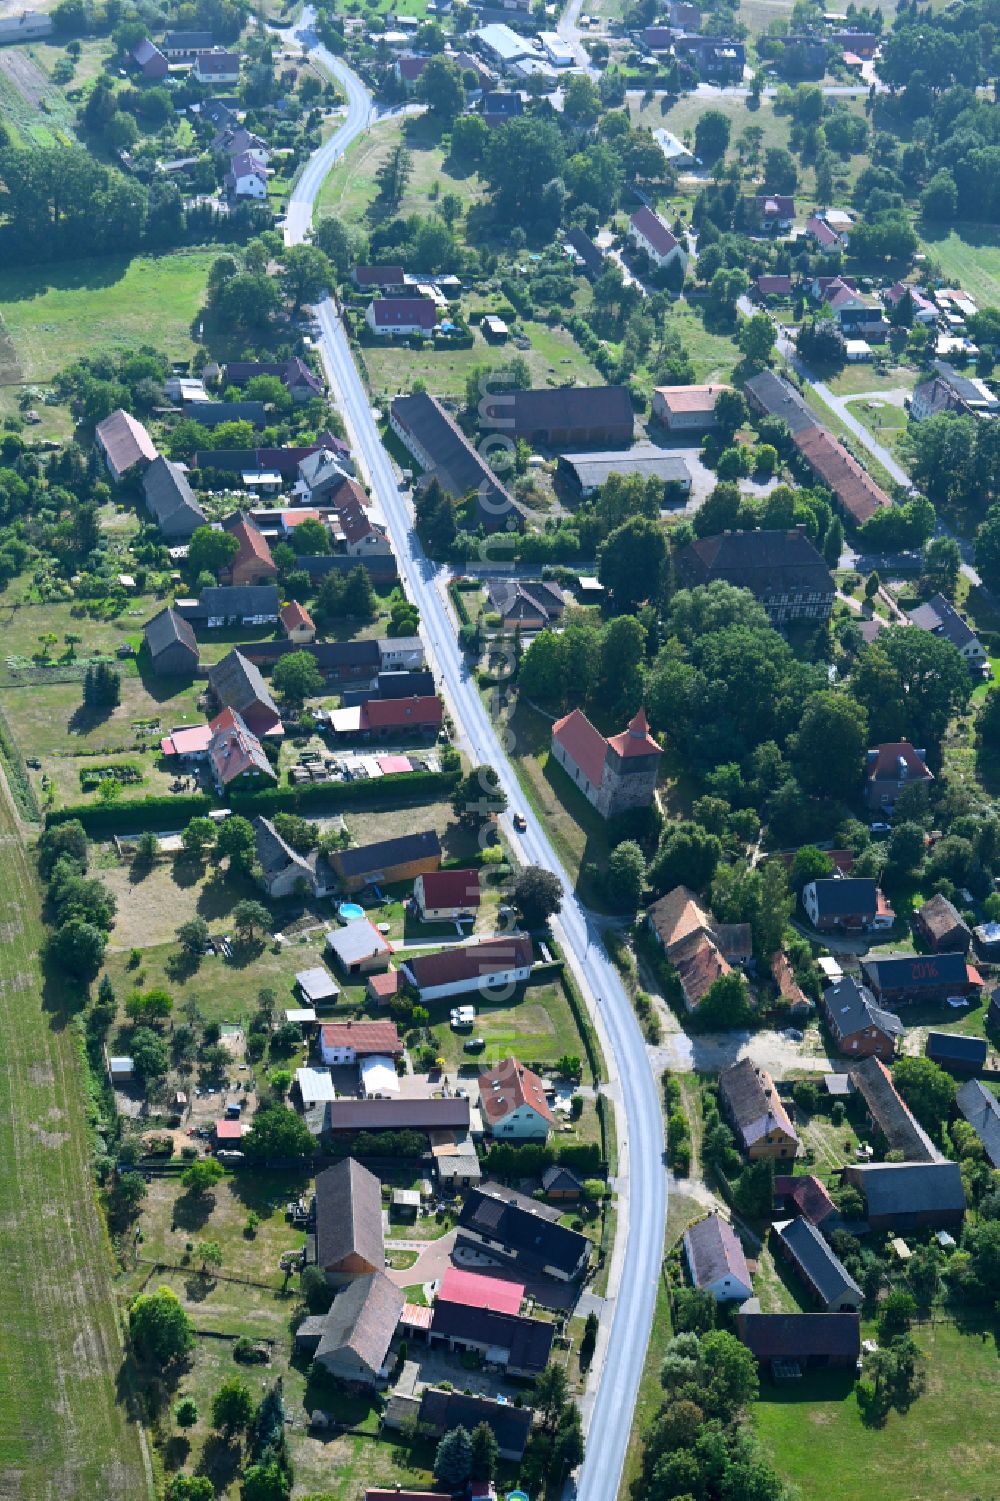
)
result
[(235, 749), (636, 740), (384, 986), (807, 1193), (352, 514), (472, 961), (853, 486), (509, 1085), (698, 969), (653, 229), (775, 285), (476, 1291), (363, 1037), (886, 763), (451, 888), (585, 745), (294, 615), (229, 1130), (396, 713), (300, 514), (253, 545)]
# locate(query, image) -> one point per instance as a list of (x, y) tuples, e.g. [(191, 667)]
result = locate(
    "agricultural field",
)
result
[(64, 1405), (940, 1450), (52, 315)]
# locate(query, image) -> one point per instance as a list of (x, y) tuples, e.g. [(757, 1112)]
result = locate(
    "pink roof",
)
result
[(229, 1130), (585, 745), (476, 1291), (390, 312), (187, 742), (393, 765), (821, 232), (636, 740)]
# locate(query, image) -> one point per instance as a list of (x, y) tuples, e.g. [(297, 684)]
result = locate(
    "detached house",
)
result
[(348, 1042), (531, 604), (217, 67), (613, 774), (846, 903), (297, 624), (716, 1261), (860, 1027), (235, 755), (751, 1104), (687, 409), (401, 315), (939, 616), (247, 177), (283, 871), (446, 895), (253, 563), (513, 1103), (890, 770), (775, 211), (650, 233), (700, 949)]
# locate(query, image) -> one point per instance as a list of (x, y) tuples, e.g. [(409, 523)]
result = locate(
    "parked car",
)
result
[(520, 822), (474, 1044)]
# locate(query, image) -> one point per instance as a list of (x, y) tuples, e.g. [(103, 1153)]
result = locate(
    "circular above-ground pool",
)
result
[(350, 911), (516, 1496)]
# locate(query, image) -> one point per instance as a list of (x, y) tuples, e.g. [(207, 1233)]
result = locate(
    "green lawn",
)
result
[(536, 1025), (969, 256), (350, 188), (943, 1449), (856, 378), (64, 1428), (54, 314)]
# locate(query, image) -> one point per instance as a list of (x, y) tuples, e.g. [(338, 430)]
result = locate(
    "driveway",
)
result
[(433, 1260)]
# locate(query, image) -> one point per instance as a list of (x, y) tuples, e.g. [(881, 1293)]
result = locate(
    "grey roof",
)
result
[(236, 600), (773, 395), (237, 684), (528, 1341), (363, 1319), (799, 1336), (541, 594), (188, 41), (356, 941), (915, 971), (765, 562), (939, 616), (170, 500), (649, 462), (400, 1115), (444, 1410), (589, 252), (349, 1215), (560, 1179), (840, 897), (981, 1109), (906, 1188), (816, 1262), (953, 1047), (714, 1251), (168, 629), (211, 413), (274, 854), (544, 410), (458, 467), (537, 1242), (387, 852), (890, 1114), (851, 1008)]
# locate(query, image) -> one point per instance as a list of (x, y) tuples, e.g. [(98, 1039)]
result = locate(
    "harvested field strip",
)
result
[(64, 1429)]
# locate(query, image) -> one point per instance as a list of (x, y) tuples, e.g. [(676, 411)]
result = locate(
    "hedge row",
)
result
[(158, 813), (18, 780)]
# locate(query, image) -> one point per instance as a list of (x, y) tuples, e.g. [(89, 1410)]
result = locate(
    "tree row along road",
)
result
[(642, 1182)]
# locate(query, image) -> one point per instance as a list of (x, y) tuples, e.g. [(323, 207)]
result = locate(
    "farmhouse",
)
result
[(859, 1025), (388, 861), (755, 1112), (771, 395), (474, 1290), (444, 895), (509, 1226), (236, 683), (294, 374), (888, 1114), (519, 1345), (782, 570), (233, 604), (441, 1411), (170, 641), (939, 922), (494, 963), (347, 1042), (351, 1342), (513, 1103), (235, 755), (124, 444), (648, 232), (253, 563), (804, 1194), (890, 769), (846, 902), (170, 500), (824, 1274), (851, 486), (700, 949), (939, 616), (687, 409), (379, 278), (283, 871), (401, 315), (613, 774), (716, 1261)]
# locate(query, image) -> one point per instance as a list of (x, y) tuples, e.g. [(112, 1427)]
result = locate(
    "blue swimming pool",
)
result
[(350, 911)]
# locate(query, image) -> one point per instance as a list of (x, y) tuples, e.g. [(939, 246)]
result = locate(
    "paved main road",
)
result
[(641, 1181)]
